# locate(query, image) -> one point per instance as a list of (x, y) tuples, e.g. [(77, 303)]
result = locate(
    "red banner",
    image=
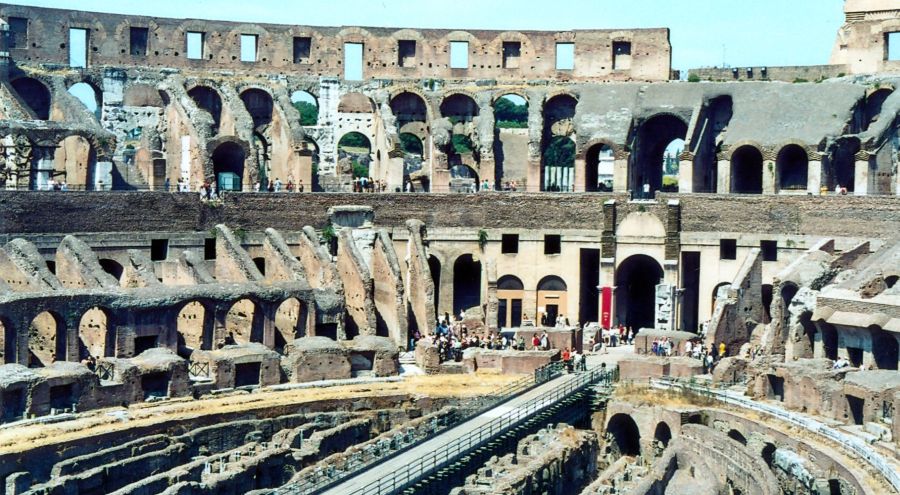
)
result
[(605, 307)]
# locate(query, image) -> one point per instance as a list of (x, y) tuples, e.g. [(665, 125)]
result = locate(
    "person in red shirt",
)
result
[(567, 359)]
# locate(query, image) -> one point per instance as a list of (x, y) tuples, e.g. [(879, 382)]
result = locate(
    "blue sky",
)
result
[(704, 32)]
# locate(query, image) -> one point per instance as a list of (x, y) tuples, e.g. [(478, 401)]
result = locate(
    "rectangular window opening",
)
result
[(727, 249), (195, 41), (512, 52), (459, 54), (509, 244), (137, 39), (552, 244), (78, 47), (353, 61), (18, 32), (892, 46), (621, 55), (406, 53), (159, 249), (302, 49), (565, 56), (769, 250), (248, 47)]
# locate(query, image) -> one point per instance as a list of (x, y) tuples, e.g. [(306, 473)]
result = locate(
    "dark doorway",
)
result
[(776, 384), (552, 312), (141, 344), (884, 349), (228, 166), (829, 340), (625, 435), (516, 316), (690, 302), (856, 405), (155, 385), (362, 361), (61, 397), (327, 330), (855, 355), (767, 302), (662, 434), (434, 266), (738, 436), (246, 374), (589, 299), (13, 404), (636, 281), (466, 283)]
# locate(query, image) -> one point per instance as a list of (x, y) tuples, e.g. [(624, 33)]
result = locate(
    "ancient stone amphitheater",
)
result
[(228, 250)]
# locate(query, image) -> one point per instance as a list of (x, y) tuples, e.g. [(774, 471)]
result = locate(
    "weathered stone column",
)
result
[(580, 175), (686, 172), (814, 177), (620, 171), (124, 341), (41, 166), (769, 178), (21, 329), (72, 325), (723, 177)]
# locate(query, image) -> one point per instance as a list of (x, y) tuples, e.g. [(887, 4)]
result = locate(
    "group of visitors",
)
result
[(561, 321), (369, 185), (53, 185), (276, 186), (613, 337), (839, 190)]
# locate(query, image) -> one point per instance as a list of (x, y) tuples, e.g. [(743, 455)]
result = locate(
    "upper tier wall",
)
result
[(644, 54), (71, 212)]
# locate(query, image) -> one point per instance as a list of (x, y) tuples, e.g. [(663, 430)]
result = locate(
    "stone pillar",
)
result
[(220, 313), (861, 177), (72, 347), (620, 172), (21, 330), (580, 175), (487, 167), (304, 165), (440, 172), (124, 341), (686, 173), (41, 166), (769, 183), (534, 175), (265, 322), (445, 304), (723, 179), (814, 177)]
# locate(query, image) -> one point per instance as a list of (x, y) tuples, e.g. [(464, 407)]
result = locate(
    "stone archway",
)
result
[(636, 281), (625, 436), (466, 283)]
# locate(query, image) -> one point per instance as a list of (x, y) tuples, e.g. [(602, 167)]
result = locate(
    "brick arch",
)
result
[(353, 35), (497, 42), (582, 153), (740, 144), (811, 152), (406, 34), (395, 92), (127, 23), (560, 92), (506, 92)]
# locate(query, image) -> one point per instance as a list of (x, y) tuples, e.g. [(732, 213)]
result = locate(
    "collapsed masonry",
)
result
[(80, 332)]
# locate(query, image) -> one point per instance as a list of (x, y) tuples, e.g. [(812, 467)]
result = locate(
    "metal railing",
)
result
[(198, 369), (105, 371), (854, 445), (411, 439), (423, 466)]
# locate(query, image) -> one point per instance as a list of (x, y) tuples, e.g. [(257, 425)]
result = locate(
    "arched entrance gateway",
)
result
[(636, 281)]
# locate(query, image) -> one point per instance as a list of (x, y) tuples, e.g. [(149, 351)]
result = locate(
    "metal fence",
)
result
[(105, 371), (422, 467), (853, 444), (198, 369), (405, 442)]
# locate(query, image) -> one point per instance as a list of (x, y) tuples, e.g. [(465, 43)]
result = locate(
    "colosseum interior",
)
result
[(284, 259)]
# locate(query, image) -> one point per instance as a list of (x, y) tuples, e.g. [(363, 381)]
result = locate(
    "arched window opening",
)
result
[(599, 168), (290, 323), (243, 323), (208, 99), (89, 96), (658, 136), (259, 105), (626, 437), (46, 340), (95, 336), (792, 167), (746, 170), (354, 151), (308, 106), (112, 267), (35, 94), (192, 328)]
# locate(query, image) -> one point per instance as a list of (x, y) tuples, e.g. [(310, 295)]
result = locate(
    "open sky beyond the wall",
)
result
[(704, 32)]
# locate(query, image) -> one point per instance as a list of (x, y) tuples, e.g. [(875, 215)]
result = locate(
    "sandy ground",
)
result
[(26, 437)]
